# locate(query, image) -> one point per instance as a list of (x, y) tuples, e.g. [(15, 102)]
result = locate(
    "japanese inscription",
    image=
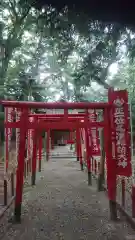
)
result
[(119, 120), (120, 132), (94, 137)]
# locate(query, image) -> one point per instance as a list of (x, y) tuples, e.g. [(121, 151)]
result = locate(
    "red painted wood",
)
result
[(95, 166), (70, 141), (35, 149), (40, 149), (56, 115), (55, 105), (87, 141), (121, 125), (54, 125), (78, 143), (111, 164), (48, 144), (21, 158)]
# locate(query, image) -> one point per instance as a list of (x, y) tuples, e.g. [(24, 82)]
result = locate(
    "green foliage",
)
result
[(50, 55), (69, 49), (1, 116)]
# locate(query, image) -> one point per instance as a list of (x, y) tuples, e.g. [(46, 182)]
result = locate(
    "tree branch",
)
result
[(25, 14), (105, 71), (12, 8)]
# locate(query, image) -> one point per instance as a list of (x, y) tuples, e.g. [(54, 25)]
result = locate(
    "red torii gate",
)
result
[(24, 124), (63, 124), (57, 119)]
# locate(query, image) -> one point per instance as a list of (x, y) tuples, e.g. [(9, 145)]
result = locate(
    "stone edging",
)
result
[(2, 212)]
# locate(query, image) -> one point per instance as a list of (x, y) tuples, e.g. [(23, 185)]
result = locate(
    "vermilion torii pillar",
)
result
[(24, 125), (34, 153), (20, 169), (88, 148), (40, 151), (47, 144)]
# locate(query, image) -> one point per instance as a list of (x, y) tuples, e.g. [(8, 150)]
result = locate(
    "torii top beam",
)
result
[(55, 105), (46, 115)]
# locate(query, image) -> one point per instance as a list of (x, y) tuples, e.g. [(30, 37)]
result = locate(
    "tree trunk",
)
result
[(4, 68)]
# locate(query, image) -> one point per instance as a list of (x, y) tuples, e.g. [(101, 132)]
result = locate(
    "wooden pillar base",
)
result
[(81, 165), (17, 213), (5, 192), (12, 184), (47, 157), (100, 183), (71, 147), (25, 173), (33, 179), (89, 178), (113, 210), (39, 169)]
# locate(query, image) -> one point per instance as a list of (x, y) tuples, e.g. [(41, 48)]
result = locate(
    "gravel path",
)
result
[(63, 207)]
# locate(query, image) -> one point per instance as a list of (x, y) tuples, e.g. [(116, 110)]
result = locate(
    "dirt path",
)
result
[(63, 207)]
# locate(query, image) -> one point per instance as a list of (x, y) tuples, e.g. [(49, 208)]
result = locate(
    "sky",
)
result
[(112, 71), (113, 68)]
